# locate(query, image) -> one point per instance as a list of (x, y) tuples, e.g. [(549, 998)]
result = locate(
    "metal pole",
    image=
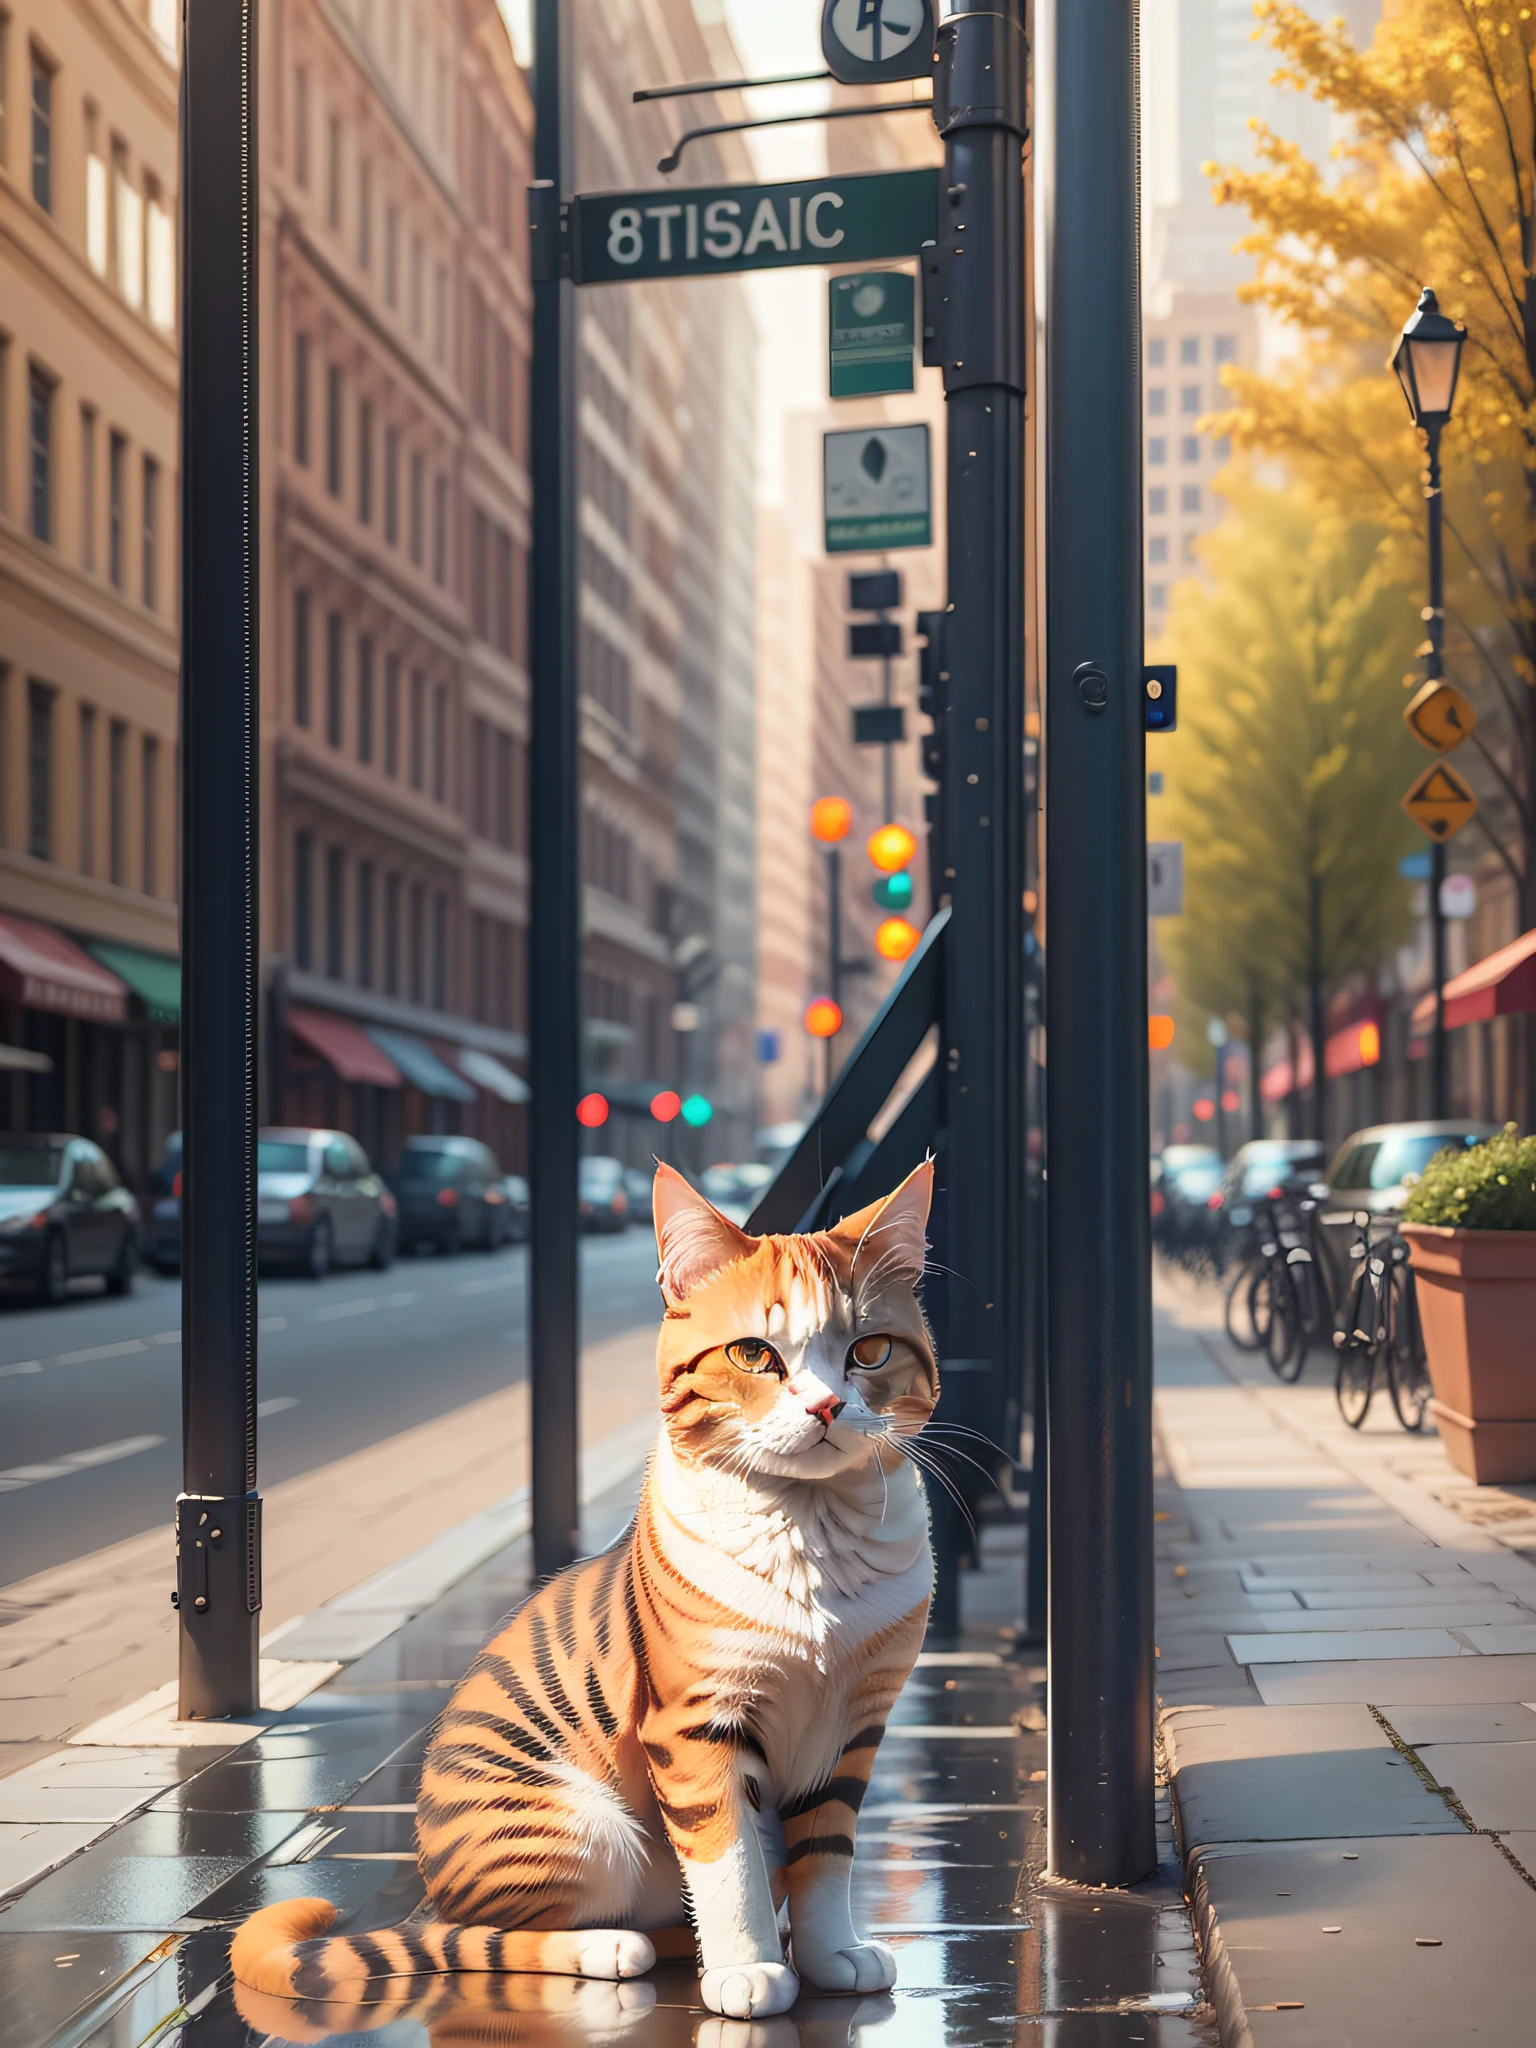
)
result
[(1434, 667), (887, 751), (554, 924), (218, 1513), (1099, 1299), (980, 110)]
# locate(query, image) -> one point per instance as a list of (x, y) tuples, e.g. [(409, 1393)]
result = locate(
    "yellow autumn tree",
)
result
[(1435, 185)]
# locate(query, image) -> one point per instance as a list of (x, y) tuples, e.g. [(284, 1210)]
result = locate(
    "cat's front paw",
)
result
[(865, 1966), (749, 1991)]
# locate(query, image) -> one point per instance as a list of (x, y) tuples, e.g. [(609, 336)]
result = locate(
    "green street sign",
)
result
[(870, 333), (707, 230), (876, 489)]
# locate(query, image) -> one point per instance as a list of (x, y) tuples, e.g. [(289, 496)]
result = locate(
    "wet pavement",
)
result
[(126, 1944)]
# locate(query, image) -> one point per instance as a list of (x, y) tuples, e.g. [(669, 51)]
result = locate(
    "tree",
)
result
[(1291, 763)]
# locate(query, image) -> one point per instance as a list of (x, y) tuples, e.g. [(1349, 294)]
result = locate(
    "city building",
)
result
[(89, 983), (1188, 338)]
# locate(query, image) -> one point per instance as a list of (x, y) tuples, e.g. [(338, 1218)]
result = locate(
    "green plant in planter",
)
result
[(1491, 1186)]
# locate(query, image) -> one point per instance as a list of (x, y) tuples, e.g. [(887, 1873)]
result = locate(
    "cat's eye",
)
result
[(752, 1354), (869, 1353)]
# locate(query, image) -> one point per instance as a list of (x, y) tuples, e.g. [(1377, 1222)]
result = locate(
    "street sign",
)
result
[(870, 333), (876, 489), (1165, 878), (866, 42), (1440, 803), (879, 725), (1439, 716), (1458, 897), (874, 639), (707, 230), (874, 590)]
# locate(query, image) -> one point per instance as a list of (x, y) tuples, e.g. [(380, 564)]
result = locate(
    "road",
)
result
[(90, 1393)]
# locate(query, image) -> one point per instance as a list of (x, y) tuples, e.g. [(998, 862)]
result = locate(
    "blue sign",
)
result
[(1415, 867), (768, 1048)]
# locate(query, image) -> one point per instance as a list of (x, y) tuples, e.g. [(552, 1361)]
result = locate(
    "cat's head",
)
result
[(792, 1356)]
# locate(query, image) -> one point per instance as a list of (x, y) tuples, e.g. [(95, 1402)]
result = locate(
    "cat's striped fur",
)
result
[(682, 1729)]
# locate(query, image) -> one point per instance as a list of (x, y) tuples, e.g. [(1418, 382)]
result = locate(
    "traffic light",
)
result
[(891, 848), (824, 1018), (896, 938), (831, 819), (666, 1105), (592, 1112), (894, 892), (697, 1111)]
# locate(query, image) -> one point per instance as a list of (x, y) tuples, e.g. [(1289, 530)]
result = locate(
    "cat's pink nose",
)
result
[(827, 1409)]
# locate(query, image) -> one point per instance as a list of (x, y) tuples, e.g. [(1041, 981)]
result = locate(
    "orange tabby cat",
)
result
[(682, 1729)]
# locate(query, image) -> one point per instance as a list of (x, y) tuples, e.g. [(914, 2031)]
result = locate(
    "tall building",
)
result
[(89, 985)]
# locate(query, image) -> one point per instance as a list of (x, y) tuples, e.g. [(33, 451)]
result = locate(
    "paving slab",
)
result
[(1495, 1781), (1325, 1645), (1404, 1681), (1479, 1722), (1432, 1612)]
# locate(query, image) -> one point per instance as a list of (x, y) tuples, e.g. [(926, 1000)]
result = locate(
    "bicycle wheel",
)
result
[(1408, 1379), (1241, 1327), (1261, 1305), (1284, 1345)]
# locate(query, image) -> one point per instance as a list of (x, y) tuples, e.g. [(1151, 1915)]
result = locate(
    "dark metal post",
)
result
[(1101, 1669), (218, 1513), (554, 930), (980, 90), (1434, 667)]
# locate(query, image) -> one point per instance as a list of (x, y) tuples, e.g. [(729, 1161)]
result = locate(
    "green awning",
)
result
[(154, 979)]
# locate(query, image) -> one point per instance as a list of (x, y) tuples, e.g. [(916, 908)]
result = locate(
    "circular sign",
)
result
[(865, 41)]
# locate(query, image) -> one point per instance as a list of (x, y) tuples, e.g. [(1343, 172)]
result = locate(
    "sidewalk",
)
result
[(1347, 1631)]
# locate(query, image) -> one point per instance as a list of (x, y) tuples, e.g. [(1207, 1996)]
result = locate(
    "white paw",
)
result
[(866, 1966), (771, 2033), (614, 1952), (749, 1991)]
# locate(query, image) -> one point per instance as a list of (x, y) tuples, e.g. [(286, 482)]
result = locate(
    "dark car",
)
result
[(519, 1207), (1374, 1169), (320, 1204), (451, 1193), (164, 1247), (64, 1213), (1263, 1167), (602, 1198), (1190, 1176)]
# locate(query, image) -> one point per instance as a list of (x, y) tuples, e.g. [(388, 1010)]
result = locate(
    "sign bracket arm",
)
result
[(670, 162)]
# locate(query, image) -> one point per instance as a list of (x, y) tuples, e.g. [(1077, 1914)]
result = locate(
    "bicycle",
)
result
[(1280, 1291), (1380, 1326)]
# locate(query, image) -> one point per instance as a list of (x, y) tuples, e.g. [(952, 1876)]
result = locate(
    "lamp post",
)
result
[(1427, 360)]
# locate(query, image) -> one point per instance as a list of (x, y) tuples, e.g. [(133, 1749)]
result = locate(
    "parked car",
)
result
[(64, 1213), (1286, 1166), (519, 1207), (602, 1198), (319, 1203), (1181, 1219), (1373, 1170), (451, 1193), (734, 1188), (163, 1250), (638, 1186)]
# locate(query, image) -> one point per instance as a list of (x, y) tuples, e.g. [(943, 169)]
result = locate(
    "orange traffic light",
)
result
[(891, 848), (831, 819), (1159, 1033), (823, 1018), (896, 937)]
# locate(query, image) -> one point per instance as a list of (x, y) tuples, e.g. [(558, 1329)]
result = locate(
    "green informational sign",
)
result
[(870, 333), (706, 230), (876, 489)]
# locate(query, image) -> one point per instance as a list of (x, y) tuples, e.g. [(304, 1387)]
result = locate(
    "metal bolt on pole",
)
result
[(1101, 1822), (218, 1513), (554, 936)]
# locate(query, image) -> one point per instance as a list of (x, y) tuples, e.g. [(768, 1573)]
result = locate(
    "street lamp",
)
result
[(1427, 361)]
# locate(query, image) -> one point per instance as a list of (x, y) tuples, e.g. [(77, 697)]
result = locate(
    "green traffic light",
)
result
[(697, 1110), (894, 892)]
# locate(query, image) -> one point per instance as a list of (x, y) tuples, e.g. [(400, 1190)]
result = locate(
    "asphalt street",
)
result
[(90, 1393)]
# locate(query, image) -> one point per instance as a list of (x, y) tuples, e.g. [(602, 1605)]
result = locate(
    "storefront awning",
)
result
[(1503, 985), (420, 1065), (345, 1047), (154, 978), (16, 1059), (491, 1075), (42, 970)]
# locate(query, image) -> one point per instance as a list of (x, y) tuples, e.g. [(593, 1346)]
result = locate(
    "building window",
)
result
[(1189, 348), (151, 510), (333, 631), (480, 574), (1157, 451), (503, 386), (364, 215), (418, 506), (160, 261), (128, 212), (1157, 352), (1157, 402), (149, 816), (88, 489), (417, 942), (480, 769), (365, 699), (391, 935), (335, 911), (365, 923), (333, 402), (117, 803), (1157, 501), (440, 529), (40, 771), (1226, 348), (40, 453), (1157, 596), (1189, 448), (333, 165), (391, 256), (1157, 548), (418, 276), (1189, 498), (365, 462), (503, 591), (301, 399), (440, 745), (87, 789), (480, 967), (1221, 448), (301, 657), (117, 511), (439, 315), (417, 744), (95, 197), (301, 129), (439, 952), (392, 486), (304, 898), (392, 714), (506, 790), (1189, 399), (42, 133)]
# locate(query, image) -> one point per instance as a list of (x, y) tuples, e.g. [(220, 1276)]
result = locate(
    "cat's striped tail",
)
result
[(285, 1951)]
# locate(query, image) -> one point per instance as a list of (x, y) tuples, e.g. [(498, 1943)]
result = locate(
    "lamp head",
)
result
[(1427, 360)]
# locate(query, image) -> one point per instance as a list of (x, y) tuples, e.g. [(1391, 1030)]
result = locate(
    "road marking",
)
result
[(495, 1286), (122, 1350), (77, 1461), (26, 1365), (166, 1337), (272, 1324), (277, 1404), (364, 1305)]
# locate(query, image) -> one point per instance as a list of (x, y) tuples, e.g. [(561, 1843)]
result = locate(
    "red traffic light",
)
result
[(592, 1112), (831, 819), (666, 1105), (823, 1018)]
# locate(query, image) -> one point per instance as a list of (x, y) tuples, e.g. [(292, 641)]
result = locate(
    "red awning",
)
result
[(42, 970), (345, 1046), (1503, 985)]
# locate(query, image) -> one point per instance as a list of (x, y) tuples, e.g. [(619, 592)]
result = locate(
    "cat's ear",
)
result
[(893, 1231), (693, 1240)]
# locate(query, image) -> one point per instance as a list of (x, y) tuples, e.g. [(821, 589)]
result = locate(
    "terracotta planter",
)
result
[(1477, 1303)]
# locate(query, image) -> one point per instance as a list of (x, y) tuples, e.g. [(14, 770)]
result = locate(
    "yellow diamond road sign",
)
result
[(1440, 802), (1439, 717)]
